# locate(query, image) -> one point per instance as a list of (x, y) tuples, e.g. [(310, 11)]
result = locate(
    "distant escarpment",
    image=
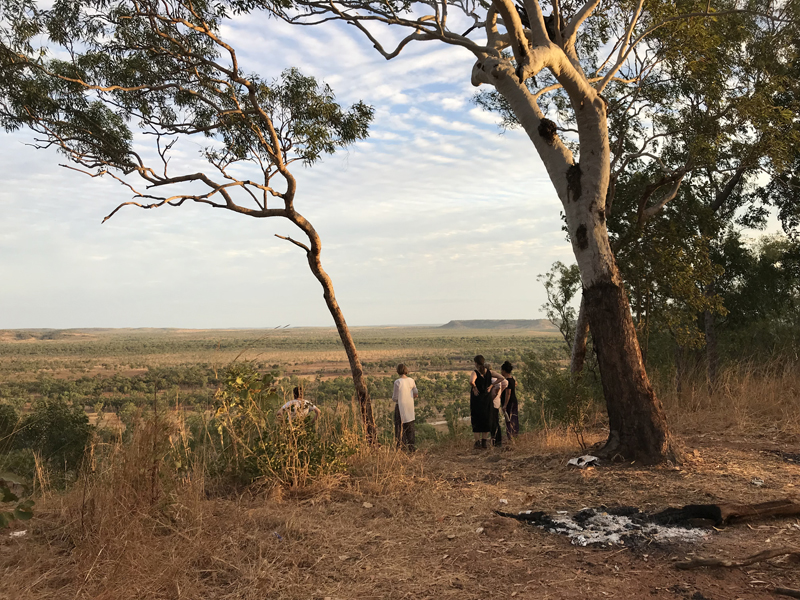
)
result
[(531, 324)]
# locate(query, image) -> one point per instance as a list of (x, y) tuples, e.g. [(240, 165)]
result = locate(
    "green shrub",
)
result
[(9, 424), (454, 413), (252, 444), (554, 396), (58, 430), (13, 504), (21, 461), (425, 432)]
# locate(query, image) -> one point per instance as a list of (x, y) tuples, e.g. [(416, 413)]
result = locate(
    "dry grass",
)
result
[(398, 526), (746, 398)]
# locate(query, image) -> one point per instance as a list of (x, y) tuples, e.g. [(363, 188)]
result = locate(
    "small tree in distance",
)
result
[(165, 65), (561, 284)]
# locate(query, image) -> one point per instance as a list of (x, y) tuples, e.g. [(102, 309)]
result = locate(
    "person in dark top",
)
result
[(480, 402), (510, 404)]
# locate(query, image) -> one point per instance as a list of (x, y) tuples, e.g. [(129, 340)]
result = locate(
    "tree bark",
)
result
[(581, 337), (313, 253), (712, 353), (362, 392), (637, 423)]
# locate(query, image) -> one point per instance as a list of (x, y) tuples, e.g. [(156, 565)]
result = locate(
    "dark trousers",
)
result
[(404, 433), (496, 430), (512, 425)]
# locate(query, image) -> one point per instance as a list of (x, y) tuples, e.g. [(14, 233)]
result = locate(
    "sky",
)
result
[(439, 215)]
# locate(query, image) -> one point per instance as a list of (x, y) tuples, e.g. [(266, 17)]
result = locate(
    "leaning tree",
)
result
[(165, 66), (577, 59)]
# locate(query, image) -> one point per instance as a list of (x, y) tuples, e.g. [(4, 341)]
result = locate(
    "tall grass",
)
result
[(748, 396)]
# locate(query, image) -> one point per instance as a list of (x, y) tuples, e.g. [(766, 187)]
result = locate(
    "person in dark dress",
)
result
[(480, 402), (510, 404)]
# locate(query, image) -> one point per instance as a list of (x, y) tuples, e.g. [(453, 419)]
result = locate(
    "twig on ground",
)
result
[(721, 562)]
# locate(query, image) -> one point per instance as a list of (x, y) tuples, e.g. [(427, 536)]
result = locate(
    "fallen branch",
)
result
[(721, 514), (786, 592), (720, 562)]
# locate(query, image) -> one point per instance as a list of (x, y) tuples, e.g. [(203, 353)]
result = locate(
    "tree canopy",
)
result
[(112, 75), (165, 69)]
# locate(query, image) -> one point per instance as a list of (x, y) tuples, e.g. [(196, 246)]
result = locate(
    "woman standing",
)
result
[(480, 401), (404, 393), (510, 404)]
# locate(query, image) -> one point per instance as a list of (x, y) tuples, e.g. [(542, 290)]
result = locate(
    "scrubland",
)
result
[(153, 513)]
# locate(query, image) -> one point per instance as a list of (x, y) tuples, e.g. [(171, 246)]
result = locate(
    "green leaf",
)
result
[(6, 495), (5, 519), (24, 511)]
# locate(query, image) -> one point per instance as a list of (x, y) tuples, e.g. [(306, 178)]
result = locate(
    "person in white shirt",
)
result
[(496, 427), (299, 408), (404, 393)]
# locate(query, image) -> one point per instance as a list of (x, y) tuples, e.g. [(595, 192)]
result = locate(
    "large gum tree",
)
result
[(568, 61)]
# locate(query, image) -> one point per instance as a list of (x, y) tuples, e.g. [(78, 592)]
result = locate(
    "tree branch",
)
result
[(293, 241), (571, 31), (722, 195), (721, 562)]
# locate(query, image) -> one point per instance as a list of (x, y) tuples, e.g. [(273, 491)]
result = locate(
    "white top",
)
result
[(497, 391), (405, 390), (297, 408)]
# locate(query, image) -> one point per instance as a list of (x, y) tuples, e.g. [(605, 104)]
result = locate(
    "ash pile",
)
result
[(620, 526)]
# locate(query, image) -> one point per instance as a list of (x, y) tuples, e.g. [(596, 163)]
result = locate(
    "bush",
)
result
[(21, 462), (454, 413), (58, 430), (425, 432), (252, 444), (9, 424), (13, 504), (556, 397)]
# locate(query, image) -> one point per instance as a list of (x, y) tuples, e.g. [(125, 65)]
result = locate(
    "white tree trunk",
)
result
[(637, 424)]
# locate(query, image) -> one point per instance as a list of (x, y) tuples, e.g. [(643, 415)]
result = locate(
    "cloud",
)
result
[(412, 219)]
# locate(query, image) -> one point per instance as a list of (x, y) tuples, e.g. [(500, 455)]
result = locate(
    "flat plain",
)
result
[(303, 351), (396, 526)]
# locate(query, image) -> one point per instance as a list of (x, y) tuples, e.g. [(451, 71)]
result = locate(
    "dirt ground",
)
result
[(421, 527)]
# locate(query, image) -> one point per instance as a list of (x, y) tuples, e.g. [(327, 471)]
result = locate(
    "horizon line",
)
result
[(252, 328)]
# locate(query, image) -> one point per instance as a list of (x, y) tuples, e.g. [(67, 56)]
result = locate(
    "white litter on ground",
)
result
[(21, 533), (587, 460)]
